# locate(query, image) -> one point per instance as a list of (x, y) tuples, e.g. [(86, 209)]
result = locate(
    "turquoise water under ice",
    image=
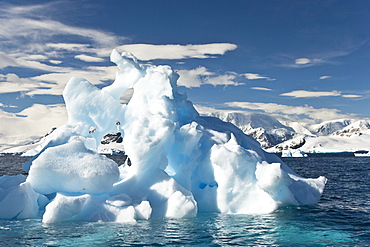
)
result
[(342, 218)]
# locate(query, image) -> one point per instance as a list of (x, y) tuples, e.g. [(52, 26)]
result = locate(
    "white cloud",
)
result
[(321, 114), (36, 57), (55, 61), (252, 76), (34, 48), (289, 61), (224, 80), (41, 30), (93, 74), (69, 46), (37, 122), (148, 52), (325, 77), (7, 106), (311, 94), (39, 65), (6, 60), (191, 78), (27, 10), (29, 34), (326, 57), (261, 88), (351, 96), (314, 94), (87, 58), (11, 83), (302, 61), (201, 76), (54, 83)]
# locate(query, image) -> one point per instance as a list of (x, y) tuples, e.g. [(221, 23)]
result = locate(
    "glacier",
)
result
[(182, 163)]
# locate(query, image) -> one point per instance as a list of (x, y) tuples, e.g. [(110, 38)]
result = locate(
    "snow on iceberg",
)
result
[(182, 163)]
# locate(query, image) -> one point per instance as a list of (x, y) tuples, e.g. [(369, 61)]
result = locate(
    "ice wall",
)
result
[(182, 163)]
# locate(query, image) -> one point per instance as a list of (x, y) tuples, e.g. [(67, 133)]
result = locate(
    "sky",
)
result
[(298, 60)]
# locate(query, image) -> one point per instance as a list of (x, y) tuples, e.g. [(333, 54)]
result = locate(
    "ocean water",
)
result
[(341, 218)]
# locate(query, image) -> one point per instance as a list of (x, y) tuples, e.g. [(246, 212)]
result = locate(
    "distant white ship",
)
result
[(362, 153)]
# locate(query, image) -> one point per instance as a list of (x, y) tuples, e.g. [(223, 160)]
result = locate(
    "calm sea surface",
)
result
[(342, 217)]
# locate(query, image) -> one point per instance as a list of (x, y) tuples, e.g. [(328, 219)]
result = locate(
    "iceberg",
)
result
[(181, 163), (293, 153)]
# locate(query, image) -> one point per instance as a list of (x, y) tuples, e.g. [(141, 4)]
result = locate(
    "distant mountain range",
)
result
[(342, 135)]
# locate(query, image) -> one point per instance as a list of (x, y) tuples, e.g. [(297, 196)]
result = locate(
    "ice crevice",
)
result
[(182, 163)]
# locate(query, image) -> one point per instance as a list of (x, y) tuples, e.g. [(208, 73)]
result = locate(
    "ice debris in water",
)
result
[(182, 163)]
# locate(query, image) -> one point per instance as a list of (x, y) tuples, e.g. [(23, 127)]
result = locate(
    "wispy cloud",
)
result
[(7, 106), (31, 23), (324, 77), (6, 60), (315, 94), (11, 83), (224, 80), (328, 56), (87, 58), (303, 62), (28, 34), (69, 47), (351, 96), (56, 62), (192, 78), (202, 76), (310, 94), (146, 52), (295, 112), (33, 46), (261, 88), (253, 76)]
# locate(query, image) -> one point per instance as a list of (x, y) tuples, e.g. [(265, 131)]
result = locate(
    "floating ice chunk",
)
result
[(234, 169), (143, 210), (95, 208), (7, 181), (293, 153), (171, 200), (17, 198), (64, 208), (275, 181), (126, 215), (181, 206), (307, 190), (72, 167)]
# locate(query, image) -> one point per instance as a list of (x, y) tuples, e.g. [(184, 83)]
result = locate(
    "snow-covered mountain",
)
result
[(329, 127), (356, 128), (274, 136), (267, 130)]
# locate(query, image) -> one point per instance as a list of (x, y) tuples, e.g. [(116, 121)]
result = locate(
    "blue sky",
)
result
[(295, 59)]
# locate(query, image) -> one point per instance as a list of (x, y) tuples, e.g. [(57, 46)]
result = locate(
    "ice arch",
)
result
[(182, 163)]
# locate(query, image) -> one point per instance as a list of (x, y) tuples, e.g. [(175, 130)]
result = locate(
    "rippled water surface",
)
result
[(340, 219)]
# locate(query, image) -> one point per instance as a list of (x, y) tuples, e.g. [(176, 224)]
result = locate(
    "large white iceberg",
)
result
[(182, 163)]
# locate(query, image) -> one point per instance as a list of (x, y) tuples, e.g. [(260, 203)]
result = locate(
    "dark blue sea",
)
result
[(341, 218)]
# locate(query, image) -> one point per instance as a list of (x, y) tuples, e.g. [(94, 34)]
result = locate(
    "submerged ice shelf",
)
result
[(182, 163)]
